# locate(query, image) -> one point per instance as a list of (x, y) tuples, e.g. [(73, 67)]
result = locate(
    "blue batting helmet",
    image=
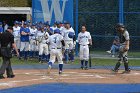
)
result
[(71, 35), (56, 31), (16, 22)]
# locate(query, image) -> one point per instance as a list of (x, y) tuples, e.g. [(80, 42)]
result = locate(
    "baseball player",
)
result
[(56, 44), (54, 26), (68, 33), (1, 28), (42, 37), (16, 33), (24, 38), (124, 47), (33, 42), (84, 39)]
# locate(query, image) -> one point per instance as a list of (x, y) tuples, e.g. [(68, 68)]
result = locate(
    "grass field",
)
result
[(95, 61)]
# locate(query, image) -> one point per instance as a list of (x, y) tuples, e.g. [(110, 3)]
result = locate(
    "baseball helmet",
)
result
[(71, 35), (20, 23), (16, 22), (66, 22), (33, 24), (56, 31), (25, 23), (51, 29), (120, 25)]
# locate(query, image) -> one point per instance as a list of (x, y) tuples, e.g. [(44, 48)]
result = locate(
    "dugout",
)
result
[(10, 14)]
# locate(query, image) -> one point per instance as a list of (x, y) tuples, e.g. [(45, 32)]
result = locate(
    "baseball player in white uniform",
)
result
[(42, 37), (69, 37), (33, 42), (56, 44), (16, 33), (84, 39)]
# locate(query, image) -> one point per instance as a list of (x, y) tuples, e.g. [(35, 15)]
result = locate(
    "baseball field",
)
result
[(32, 77)]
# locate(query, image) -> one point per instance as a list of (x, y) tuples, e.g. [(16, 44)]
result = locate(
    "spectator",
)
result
[(114, 47)]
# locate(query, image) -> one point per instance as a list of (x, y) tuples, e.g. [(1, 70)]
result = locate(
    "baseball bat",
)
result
[(90, 62)]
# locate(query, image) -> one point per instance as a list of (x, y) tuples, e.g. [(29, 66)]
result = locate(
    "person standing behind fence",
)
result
[(1, 28), (84, 39), (24, 33), (7, 43), (115, 47)]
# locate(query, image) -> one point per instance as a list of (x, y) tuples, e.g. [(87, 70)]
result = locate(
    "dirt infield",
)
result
[(31, 77)]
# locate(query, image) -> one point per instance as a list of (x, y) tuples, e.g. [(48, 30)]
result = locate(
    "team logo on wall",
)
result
[(52, 10)]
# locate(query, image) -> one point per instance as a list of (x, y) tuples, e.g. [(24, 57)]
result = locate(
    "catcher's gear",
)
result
[(120, 25)]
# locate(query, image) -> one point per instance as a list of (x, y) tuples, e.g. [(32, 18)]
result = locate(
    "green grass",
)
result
[(109, 62), (95, 62)]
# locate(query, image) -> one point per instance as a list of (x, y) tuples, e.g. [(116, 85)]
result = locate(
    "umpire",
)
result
[(7, 43)]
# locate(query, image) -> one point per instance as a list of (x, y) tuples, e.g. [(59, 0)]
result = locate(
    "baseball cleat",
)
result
[(60, 72), (114, 71), (82, 68), (86, 68), (11, 76), (126, 71)]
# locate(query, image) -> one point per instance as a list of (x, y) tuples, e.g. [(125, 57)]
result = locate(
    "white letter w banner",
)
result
[(52, 10)]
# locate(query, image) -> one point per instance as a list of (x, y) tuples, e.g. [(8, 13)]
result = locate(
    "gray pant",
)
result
[(123, 55), (6, 65)]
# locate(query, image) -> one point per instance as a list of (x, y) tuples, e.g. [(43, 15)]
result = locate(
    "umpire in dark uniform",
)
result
[(7, 43)]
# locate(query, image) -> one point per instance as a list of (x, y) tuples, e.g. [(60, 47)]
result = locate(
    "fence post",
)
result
[(121, 11), (76, 17)]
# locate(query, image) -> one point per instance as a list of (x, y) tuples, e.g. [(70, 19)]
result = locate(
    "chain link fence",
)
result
[(101, 16)]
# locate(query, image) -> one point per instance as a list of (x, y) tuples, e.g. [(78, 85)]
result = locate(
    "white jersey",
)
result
[(16, 31), (55, 41), (65, 33), (83, 38), (42, 37), (126, 35), (33, 33), (54, 28)]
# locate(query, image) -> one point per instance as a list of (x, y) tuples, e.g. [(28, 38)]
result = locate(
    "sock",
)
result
[(60, 67), (46, 57), (82, 63), (20, 53), (66, 55), (126, 66), (86, 63), (50, 64), (40, 57), (36, 53), (26, 54), (117, 66), (31, 53), (71, 57)]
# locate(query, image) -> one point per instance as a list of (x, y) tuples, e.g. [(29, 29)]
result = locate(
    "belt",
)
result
[(56, 48), (83, 45), (68, 40)]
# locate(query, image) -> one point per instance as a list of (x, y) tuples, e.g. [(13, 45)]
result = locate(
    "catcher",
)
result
[(124, 47)]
